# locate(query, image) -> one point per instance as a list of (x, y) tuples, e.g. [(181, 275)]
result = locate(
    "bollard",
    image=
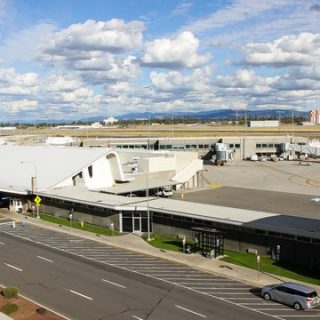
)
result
[(82, 224), (13, 224)]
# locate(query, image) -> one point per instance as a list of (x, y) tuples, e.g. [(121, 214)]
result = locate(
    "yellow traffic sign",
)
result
[(37, 200)]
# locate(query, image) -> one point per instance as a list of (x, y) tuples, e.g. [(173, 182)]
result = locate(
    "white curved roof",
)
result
[(52, 165)]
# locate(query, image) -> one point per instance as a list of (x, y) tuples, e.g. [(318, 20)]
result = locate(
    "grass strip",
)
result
[(165, 242), (77, 225), (270, 266), (247, 260)]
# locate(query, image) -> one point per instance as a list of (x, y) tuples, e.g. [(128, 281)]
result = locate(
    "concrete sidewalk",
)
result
[(137, 244)]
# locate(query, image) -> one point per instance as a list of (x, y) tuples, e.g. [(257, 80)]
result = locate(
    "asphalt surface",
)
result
[(261, 200), (84, 279)]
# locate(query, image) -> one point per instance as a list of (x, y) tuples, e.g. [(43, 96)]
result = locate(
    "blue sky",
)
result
[(67, 59)]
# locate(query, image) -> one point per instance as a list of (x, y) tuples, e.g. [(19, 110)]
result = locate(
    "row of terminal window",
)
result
[(175, 147), (267, 145)]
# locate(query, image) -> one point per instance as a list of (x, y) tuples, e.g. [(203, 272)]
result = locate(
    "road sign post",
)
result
[(37, 200)]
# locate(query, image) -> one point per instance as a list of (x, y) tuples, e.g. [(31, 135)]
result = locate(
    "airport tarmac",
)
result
[(282, 176), (278, 187)]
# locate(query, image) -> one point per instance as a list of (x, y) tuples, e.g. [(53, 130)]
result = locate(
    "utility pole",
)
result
[(147, 193), (34, 183)]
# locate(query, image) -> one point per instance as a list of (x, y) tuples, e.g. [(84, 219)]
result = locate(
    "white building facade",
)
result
[(314, 116)]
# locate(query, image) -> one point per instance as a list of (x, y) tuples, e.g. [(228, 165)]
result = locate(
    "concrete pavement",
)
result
[(135, 243)]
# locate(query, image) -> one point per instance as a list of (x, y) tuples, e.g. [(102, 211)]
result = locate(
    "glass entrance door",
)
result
[(136, 224)]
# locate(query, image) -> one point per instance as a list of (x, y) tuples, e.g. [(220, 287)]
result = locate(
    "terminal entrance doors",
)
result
[(136, 221)]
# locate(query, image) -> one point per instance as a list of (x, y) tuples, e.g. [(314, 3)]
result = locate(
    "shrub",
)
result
[(41, 310), (10, 292), (9, 308)]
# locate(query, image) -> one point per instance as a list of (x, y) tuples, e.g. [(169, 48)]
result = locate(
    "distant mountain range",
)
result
[(221, 114), (211, 115)]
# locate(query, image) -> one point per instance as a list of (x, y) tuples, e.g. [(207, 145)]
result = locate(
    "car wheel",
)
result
[(297, 306), (266, 296)]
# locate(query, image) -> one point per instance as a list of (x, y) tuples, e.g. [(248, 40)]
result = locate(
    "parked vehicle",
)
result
[(298, 296), (165, 192)]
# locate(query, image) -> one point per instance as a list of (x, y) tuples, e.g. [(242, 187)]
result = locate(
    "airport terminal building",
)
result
[(103, 187)]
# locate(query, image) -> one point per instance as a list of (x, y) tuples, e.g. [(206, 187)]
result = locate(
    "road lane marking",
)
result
[(234, 293), (188, 310), (241, 298), (115, 284), (1, 243), (13, 267), (80, 294), (221, 288), (259, 304), (275, 309), (45, 259), (135, 317), (163, 278), (299, 316)]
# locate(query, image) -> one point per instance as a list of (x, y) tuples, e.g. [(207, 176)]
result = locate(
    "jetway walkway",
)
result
[(312, 149)]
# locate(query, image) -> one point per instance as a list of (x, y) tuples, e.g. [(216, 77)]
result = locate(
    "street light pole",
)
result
[(148, 209), (36, 184)]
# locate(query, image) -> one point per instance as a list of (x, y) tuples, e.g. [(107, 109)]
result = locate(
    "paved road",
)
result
[(84, 279)]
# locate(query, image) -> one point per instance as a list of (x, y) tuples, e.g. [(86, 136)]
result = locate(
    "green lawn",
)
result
[(248, 260), (270, 266), (77, 225), (165, 243)]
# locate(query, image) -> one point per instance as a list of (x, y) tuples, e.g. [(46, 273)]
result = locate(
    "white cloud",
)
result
[(97, 51), (56, 83), (178, 53), (13, 83), (181, 9), (115, 69), (21, 105), (236, 11), (301, 49), (245, 82), (58, 88), (107, 36), (309, 72), (24, 45), (175, 81)]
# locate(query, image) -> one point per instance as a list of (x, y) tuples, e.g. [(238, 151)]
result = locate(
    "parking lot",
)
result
[(213, 285)]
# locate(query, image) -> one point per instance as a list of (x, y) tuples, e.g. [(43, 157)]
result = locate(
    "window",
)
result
[(206, 146), (270, 145), (90, 171), (305, 239), (258, 145), (230, 145), (264, 145), (237, 146)]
